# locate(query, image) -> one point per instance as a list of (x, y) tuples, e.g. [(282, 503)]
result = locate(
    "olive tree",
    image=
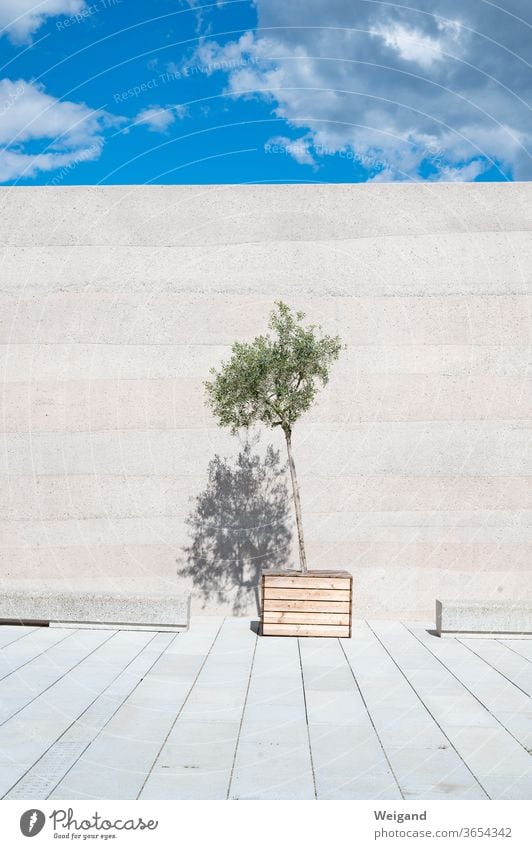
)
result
[(274, 380)]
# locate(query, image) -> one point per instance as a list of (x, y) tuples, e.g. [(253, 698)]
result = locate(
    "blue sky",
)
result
[(175, 91)]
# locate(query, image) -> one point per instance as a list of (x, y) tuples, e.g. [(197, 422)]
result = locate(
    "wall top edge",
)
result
[(376, 188)]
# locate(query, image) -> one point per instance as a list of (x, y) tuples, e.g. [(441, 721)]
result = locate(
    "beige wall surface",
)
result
[(415, 465)]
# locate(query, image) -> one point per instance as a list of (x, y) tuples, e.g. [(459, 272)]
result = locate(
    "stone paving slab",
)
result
[(512, 664), (218, 712), (506, 701), (33, 729), (12, 635), (38, 676), (424, 762), (487, 749), (18, 653), (273, 757), (198, 753), (520, 647), (118, 762), (43, 777)]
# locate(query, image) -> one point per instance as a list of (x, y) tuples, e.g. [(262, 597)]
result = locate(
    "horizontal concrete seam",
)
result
[(93, 548), (335, 425), (354, 425), (476, 346), (307, 293), (194, 475), (376, 236), (522, 378), (97, 476), (5, 520), (337, 429), (205, 293)]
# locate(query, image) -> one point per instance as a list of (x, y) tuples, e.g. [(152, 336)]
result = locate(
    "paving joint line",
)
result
[(35, 656), (242, 718), (77, 719), (124, 700), (27, 634), (381, 744), (495, 669), (66, 672), (178, 714), (306, 719), (453, 747), (510, 648), (471, 693)]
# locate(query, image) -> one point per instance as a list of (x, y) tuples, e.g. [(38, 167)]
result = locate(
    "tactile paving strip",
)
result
[(47, 772)]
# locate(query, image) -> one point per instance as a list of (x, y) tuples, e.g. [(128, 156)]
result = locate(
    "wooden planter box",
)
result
[(314, 604)]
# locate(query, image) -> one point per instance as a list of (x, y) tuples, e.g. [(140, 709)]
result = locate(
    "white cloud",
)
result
[(156, 118), (392, 83), (298, 149), (27, 112), (461, 173), (20, 19), (15, 165), (213, 57), (411, 45), (159, 118), (67, 132)]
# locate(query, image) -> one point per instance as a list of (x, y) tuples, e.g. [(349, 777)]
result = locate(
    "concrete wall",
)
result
[(415, 465)]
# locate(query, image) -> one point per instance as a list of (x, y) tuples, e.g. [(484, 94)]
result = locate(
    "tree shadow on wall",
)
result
[(239, 525)]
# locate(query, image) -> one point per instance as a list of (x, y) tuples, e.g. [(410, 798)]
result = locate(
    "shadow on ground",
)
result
[(239, 525)]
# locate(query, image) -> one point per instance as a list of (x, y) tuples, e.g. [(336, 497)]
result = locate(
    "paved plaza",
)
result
[(219, 712)]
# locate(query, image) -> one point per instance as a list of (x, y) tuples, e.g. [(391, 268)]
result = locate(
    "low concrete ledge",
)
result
[(95, 609), (484, 618)]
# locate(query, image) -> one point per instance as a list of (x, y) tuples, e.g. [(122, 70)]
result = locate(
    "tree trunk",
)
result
[(297, 502)]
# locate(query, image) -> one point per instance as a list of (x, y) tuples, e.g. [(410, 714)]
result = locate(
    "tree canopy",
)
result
[(274, 378)]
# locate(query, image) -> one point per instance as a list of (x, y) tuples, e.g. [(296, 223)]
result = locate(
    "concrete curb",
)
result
[(96, 609), (483, 618)]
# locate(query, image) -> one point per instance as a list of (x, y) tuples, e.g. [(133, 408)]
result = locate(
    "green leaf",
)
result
[(275, 378)]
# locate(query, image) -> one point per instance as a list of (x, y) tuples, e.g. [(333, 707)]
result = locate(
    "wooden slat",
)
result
[(310, 605), (281, 604), (351, 609), (292, 630), (307, 618), (313, 573), (318, 595), (308, 583)]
